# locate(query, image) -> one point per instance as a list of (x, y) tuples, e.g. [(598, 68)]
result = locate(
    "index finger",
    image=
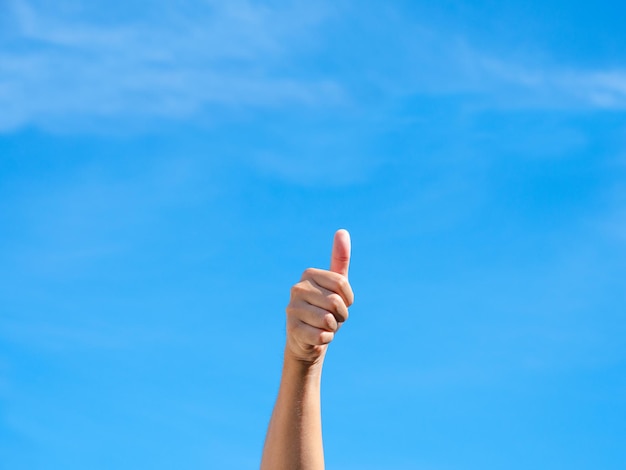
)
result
[(331, 281)]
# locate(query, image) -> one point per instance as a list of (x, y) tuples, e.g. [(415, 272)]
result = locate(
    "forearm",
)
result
[(294, 436), (317, 307)]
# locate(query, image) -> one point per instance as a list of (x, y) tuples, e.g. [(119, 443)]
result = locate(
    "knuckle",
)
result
[(291, 327), (330, 322), (342, 283), (297, 290), (308, 273), (339, 308), (294, 310), (336, 302), (325, 337), (291, 309)]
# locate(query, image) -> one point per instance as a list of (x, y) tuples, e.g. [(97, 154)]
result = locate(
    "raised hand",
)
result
[(319, 305)]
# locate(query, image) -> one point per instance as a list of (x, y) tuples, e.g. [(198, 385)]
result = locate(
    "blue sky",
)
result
[(168, 169)]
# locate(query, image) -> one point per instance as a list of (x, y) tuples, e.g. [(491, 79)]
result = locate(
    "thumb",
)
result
[(340, 258)]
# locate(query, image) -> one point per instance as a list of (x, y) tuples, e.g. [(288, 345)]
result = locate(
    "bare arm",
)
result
[(318, 306), (294, 436)]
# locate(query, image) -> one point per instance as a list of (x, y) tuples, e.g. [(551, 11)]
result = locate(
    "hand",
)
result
[(319, 305)]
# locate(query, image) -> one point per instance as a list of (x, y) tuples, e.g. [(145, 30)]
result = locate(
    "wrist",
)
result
[(303, 368)]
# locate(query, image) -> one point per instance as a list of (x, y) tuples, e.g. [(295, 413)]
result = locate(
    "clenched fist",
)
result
[(319, 305)]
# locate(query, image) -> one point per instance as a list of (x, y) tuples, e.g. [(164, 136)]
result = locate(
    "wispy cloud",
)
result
[(553, 86), (68, 64), (63, 66), (437, 61)]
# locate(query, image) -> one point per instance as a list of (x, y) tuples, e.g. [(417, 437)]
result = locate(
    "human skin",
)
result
[(317, 309)]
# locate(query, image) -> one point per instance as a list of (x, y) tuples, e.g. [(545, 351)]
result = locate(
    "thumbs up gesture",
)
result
[(319, 305)]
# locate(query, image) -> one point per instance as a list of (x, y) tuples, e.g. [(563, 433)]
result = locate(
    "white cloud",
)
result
[(422, 58), (554, 86), (605, 89), (224, 54), (67, 64), (439, 63)]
